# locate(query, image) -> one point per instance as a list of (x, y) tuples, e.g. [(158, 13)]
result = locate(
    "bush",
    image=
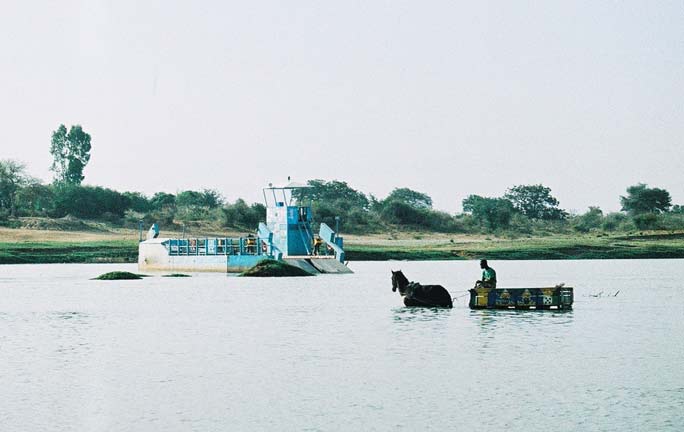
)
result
[(521, 224), (35, 200), (646, 221), (617, 222), (138, 202), (465, 223), (441, 222), (493, 213), (87, 202), (163, 217), (190, 214), (671, 221), (240, 215), (208, 198), (591, 220), (400, 213)]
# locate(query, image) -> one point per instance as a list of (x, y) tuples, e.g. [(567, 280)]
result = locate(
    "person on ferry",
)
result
[(250, 244), (318, 241)]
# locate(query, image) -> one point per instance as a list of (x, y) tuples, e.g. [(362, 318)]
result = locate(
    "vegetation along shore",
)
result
[(67, 222), (23, 246)]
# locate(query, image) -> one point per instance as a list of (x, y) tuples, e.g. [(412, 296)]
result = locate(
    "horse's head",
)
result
[(399, 282)]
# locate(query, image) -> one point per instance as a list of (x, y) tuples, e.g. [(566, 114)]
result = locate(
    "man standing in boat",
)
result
[(488, 276)]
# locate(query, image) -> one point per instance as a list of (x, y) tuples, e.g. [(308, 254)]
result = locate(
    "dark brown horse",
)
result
[(416, 294)]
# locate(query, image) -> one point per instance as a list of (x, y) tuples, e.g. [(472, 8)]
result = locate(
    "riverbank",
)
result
[(22, 246)]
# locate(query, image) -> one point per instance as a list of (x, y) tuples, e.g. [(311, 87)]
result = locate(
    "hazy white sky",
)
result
[(444, 97)]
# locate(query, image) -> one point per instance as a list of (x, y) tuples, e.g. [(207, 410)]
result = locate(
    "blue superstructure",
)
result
[(288, 225)]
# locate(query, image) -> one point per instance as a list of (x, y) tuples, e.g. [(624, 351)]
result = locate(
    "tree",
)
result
[(207, 198), (641, 199), (410, 197), (12, 177), (88, 202), (400, 212), (535, 202), (35, 199), (592, 219), (71, 153), (332, 191), (138, 202), (163, 200), (495, 212), (240, 215)]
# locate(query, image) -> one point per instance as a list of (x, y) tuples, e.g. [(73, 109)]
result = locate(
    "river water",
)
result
[(340, 352)]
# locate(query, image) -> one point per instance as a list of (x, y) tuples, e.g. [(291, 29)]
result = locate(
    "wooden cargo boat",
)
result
[(558, 297)]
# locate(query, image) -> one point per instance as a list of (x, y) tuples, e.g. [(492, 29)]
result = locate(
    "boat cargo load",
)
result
[(557, 297)]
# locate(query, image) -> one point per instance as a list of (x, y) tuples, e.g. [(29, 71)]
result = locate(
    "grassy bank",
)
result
[(531, 249), (114, 251), (34, 246)]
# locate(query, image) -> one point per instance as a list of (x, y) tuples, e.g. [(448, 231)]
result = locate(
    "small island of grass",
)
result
[(119, 275), (273, 268), (176, 275)]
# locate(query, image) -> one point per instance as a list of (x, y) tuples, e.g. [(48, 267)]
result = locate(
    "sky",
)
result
[(448, 98)]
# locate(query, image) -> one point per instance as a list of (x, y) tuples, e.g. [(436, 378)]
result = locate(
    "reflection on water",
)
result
[(69, 315), (527, 319), (224, 353), (410, 314)]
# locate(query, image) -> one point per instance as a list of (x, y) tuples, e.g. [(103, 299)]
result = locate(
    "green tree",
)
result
[(535, 202), (35, 199), (494, 212), (241, 215), (208, 198), (12, 177), (88, 202), (400, 212), (641, 199), (592, 219), (336, 198), (138, 202), (163, 200), (332, 192), (617, 221), (410, 197), (70, 152)]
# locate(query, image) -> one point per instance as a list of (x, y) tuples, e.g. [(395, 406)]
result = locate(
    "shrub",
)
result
[(617, 222), (87, 201), (240, 215), (646, 221), (671, 221), (398, 212), (590, 220)]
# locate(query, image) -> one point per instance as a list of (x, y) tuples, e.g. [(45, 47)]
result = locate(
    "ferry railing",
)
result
[(214, 246)]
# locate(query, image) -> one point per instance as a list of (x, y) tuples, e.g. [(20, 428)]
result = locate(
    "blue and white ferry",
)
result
[(287, 235)]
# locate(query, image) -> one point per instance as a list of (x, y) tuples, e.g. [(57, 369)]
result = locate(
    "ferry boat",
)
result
[(286, 235)]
